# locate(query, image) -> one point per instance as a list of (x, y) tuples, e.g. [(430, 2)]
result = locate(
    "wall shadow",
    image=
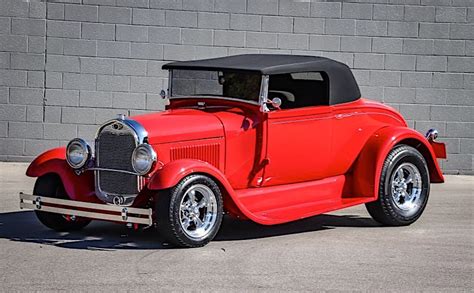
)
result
[(22, 226)]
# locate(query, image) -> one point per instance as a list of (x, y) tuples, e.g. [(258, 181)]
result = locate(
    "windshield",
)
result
[(236, 85)]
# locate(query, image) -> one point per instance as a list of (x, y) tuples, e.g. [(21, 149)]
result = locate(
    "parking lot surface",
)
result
[(344, 250)]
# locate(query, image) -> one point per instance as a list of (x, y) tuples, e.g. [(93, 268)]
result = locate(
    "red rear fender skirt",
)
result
[(366, 171), (78, 187)]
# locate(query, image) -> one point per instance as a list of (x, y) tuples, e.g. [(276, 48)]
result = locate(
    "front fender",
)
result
[(170, 175), (78, 187), (368, 166)]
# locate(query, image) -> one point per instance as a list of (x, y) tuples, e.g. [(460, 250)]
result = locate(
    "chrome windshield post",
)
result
[(170, 78), (263, 97)]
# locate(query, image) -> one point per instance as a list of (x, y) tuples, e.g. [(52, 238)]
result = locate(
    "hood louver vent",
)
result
[(208, 153)]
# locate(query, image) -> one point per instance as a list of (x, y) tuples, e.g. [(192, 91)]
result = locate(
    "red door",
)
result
[(298, 145)]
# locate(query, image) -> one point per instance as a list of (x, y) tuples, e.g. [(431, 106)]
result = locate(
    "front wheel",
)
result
[(403, 189), (50, 185), (190, 214)]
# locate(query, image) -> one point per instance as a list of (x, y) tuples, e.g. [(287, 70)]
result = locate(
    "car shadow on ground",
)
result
[(23, 226)]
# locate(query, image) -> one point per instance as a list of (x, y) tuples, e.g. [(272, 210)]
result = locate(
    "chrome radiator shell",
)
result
[(115, 180)]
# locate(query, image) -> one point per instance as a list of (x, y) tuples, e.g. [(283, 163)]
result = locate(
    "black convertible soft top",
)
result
[(342, 84)]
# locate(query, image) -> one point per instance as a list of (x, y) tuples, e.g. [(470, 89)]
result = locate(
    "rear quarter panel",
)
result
[(354, 123)]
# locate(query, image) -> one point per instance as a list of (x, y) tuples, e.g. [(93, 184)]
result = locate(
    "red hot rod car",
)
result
[(270, 138)]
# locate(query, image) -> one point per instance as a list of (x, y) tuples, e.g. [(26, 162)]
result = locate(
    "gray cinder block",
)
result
[(229, 38), (62, 63), (356, 44), (234, 6), (97, 65), (181, 18), (389, 12), (420, 13), (26, 96), (25, 130), (80, 47), (263, 6), (294, 8), (356, 10), (28, 26), (147, 51), (27, 61), (400, 62), (277, 24), (324, 43), (98, 31), (133, 33), (148, 16), (12, 112), (130, 67), (196, 36), (402, 29), (368, 61), (60, 131), (95, 99), (113, 49), (60, 97), (431, 63), (164, 35), (81, 13), (261, 40), (113, 83), (309, 25), (213, 20), (246, 22), (109, 14), (326, 9), (79, 81), (371, 28), (64, 29)]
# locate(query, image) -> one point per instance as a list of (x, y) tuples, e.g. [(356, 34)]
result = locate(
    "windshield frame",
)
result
[(262, 98)]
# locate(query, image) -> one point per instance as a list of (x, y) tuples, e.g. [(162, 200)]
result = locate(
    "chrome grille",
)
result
[(114, 148)]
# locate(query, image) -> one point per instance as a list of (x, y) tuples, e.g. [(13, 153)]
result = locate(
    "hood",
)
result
[(180, 125)]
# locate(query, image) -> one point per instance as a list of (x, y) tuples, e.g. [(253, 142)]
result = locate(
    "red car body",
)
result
[(270, 166), (270, 169)]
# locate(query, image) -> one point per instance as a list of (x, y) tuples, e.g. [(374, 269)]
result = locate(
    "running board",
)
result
[(88, 210)]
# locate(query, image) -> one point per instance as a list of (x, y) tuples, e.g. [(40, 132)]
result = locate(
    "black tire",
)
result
[(390, 211), (169, 212), (50, 185)]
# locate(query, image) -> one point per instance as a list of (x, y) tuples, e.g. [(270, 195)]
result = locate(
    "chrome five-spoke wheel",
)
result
[(198, 211), (190, 213), (406, 188)]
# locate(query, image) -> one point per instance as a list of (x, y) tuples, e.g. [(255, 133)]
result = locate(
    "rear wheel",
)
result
[(190, 214), (50, 185), (404, 188)]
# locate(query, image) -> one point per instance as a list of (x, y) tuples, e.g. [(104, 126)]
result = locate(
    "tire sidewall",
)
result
[(174, 211), (405, 154)]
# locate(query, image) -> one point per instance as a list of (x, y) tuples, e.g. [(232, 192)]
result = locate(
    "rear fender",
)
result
[(368, 167), (78, 187), (170, 175)]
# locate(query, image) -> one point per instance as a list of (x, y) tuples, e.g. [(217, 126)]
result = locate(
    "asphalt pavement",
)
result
[(340, 251)]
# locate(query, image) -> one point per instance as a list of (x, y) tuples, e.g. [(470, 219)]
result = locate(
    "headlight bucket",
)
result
[(143, 159), (78, 152)]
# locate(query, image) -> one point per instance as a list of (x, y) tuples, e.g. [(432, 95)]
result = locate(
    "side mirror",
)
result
[(275, 103), (163, 94)]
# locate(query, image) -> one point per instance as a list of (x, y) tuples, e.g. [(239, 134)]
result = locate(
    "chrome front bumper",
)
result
[(87, 209)]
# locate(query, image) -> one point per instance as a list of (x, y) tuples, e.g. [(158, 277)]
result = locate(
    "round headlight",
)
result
[(143, 159), (77, 153)]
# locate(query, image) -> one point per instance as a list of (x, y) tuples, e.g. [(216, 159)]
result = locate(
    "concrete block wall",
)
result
[(68, 65)]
